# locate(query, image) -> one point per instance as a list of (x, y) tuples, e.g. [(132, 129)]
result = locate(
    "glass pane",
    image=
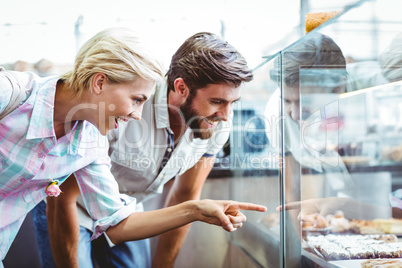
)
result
[(254, 165)]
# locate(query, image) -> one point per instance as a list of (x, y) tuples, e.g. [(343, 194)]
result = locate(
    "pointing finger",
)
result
[(251, 206)]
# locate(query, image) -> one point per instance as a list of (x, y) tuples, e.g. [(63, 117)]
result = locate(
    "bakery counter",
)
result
[(262, 245), (260, 237)]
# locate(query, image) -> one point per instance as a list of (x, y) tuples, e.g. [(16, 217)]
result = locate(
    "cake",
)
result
[(345, 247)]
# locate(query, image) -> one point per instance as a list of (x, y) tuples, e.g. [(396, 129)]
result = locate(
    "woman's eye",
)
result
[(138, 101)]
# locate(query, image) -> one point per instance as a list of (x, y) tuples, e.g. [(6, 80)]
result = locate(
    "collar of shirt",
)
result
[(161, 107), (41, 123)]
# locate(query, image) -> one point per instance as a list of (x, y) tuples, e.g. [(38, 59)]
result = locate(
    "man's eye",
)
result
[(216, 102)]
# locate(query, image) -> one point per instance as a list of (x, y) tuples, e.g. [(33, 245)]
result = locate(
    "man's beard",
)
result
[(194, 120)]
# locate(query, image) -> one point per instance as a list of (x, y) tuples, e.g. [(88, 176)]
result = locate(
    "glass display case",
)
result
[(317, 138)]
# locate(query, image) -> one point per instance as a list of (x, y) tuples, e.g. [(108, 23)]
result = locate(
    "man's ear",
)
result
[(99, 80), (181, 88)]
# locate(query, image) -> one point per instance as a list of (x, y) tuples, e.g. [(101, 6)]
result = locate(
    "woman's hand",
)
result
[(140, 225), (225, 213)]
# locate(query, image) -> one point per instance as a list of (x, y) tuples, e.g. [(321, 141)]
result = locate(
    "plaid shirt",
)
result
[(31, 157)]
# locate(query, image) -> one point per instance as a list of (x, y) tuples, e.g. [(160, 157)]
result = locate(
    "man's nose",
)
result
[(225, 111)]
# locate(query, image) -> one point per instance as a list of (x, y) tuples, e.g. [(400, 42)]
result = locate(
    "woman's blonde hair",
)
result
[(116, 52)]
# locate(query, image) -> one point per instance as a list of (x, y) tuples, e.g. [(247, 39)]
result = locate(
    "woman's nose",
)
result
[(137, 113)]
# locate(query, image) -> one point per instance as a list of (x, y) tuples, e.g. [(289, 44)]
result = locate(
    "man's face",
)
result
[(210, 105)]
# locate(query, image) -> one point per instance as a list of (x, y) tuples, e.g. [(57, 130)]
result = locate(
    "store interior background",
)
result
[(32, 31), (44, 35)]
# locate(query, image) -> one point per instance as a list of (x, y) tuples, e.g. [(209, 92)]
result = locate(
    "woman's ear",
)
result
[(98, 82), (181, 88)]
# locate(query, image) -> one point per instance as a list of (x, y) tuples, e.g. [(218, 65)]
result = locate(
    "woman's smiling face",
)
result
[(121, 102)]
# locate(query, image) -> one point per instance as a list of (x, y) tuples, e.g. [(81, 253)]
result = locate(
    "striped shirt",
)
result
[(31, 156)]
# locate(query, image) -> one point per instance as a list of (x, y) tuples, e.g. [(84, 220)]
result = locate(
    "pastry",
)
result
[(339, 223), (383, 263), (389, 226), (313, 20)]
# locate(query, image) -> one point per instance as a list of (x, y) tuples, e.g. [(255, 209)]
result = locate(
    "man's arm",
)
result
[(185, 187), (62, 219)]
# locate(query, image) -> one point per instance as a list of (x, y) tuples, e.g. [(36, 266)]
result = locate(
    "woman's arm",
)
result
[(141, 225), (102, 199)]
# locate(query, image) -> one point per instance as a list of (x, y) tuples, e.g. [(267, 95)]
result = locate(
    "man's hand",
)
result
[(62, 218)]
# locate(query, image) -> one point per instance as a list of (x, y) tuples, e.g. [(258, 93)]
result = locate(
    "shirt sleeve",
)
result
[(100, 193), (5, 91)]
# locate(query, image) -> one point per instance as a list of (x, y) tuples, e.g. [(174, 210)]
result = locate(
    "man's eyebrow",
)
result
[(224, 100)]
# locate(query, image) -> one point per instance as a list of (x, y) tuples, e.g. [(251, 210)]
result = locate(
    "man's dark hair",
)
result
[(205, 59)]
